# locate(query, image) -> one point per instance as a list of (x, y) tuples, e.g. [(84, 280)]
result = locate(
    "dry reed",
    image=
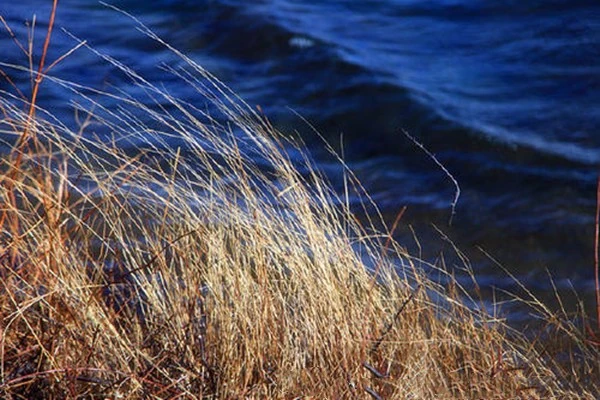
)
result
[(205, 264)]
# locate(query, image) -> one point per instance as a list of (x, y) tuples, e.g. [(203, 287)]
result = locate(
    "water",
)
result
[(504, 93)]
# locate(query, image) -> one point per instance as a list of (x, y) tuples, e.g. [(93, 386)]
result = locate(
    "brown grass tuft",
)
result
[(214, 268)]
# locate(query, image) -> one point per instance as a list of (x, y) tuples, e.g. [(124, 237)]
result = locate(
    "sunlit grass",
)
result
[(204, 264)]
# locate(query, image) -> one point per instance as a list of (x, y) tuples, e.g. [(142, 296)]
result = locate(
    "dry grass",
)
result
[(215, 269)]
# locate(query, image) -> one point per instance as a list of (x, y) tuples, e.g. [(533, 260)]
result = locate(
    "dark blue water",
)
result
[(506, 94)]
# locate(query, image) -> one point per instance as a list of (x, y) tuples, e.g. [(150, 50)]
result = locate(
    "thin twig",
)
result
[(373, 393), (393, 321), (65, 55), (378, 374), (12, 35), (439, 164), (386, 246), (156, 255), (39, 77)]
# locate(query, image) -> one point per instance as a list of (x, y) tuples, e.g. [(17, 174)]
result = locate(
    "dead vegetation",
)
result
[(215, 269)]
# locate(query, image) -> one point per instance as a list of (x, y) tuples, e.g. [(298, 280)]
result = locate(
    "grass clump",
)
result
[(209, 264)]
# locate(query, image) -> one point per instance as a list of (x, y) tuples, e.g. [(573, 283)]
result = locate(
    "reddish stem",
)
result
[(39, 77), (20, 147)]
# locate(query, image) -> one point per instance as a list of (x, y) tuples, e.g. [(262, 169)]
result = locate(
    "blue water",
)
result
[(506, 94)]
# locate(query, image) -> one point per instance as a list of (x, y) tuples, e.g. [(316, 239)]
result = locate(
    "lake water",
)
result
[(506, 94)]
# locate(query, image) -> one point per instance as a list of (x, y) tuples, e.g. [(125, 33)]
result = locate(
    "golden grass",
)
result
[(215, 269)]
